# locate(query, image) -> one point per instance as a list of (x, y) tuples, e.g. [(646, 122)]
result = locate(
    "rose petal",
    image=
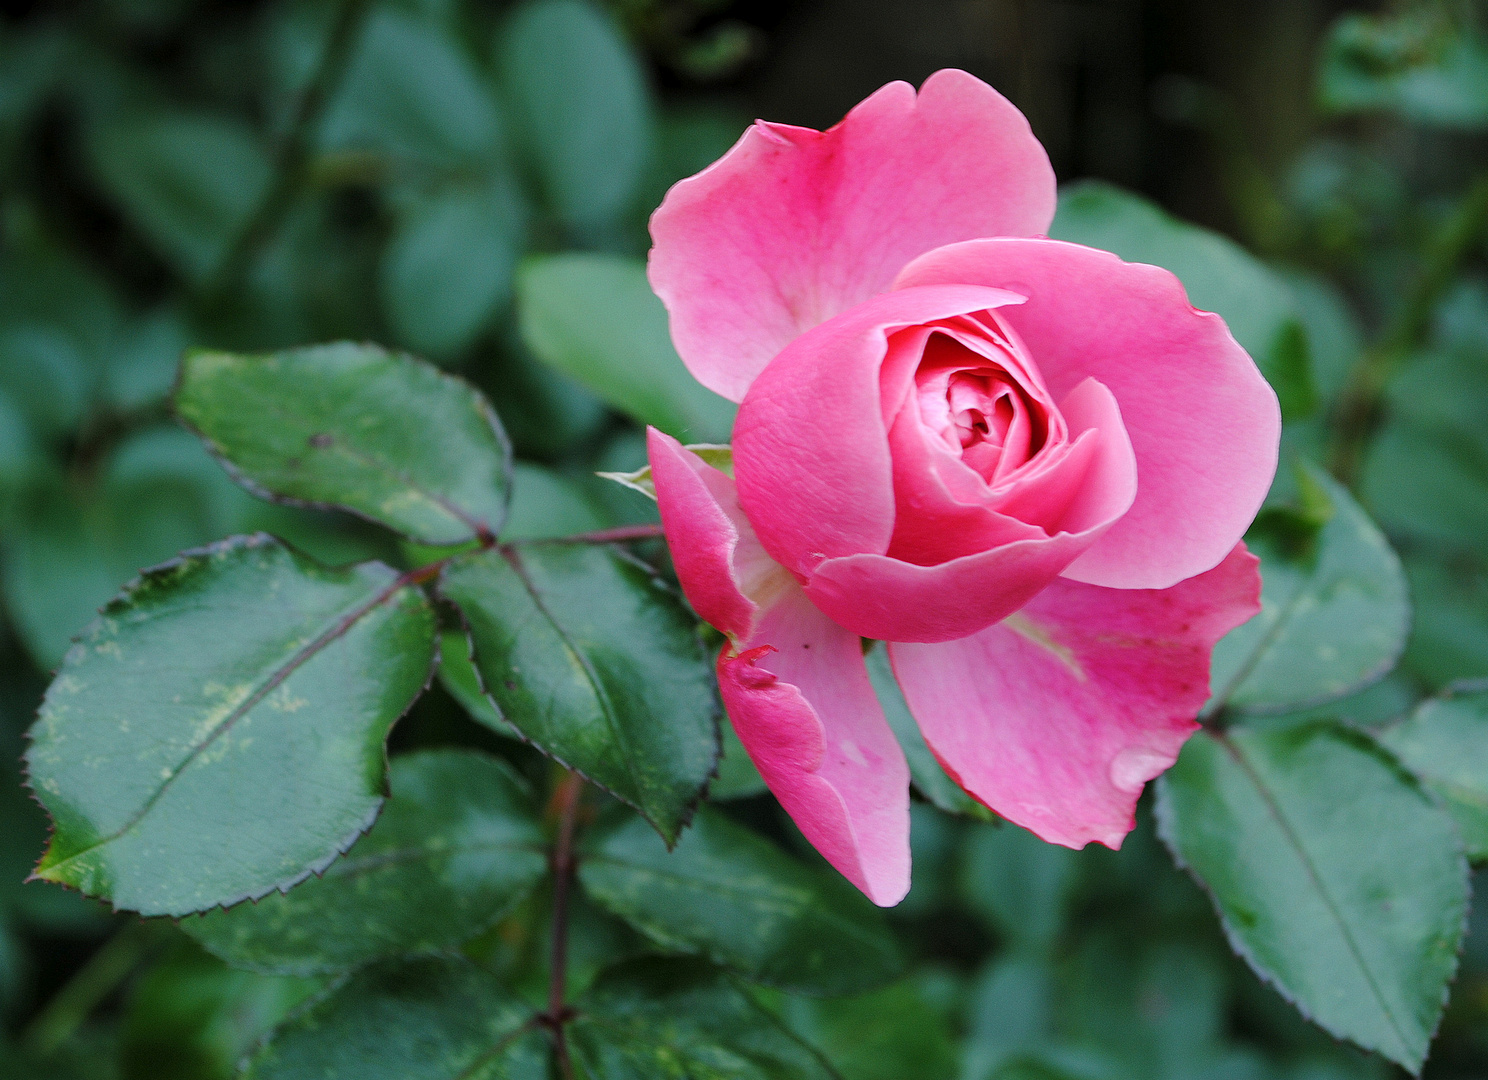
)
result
[(1058, 716), (800, 699), (794, 683), (725, 573), (794, 226), (1203, 423), (811, 452)]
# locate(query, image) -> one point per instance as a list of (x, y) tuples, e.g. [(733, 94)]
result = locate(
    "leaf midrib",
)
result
[(334, 632), (1315, 876)]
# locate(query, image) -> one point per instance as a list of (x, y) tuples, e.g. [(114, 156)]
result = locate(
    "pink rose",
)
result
[(1025, 464)]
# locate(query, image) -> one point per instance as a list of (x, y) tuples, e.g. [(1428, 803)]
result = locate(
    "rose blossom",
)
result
[(1024, 464)]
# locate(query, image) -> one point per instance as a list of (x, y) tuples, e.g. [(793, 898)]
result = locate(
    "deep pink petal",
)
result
[(799, 697), (811, 451), (884, 598), (1203, 423), (794, 226), (724, 571), (1057, 717), (794, 682)]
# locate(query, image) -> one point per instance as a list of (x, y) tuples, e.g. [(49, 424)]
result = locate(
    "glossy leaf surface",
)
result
[(1334, 611), (1445, 743), (218, 732), (659, 1018), (456, 846), (728, 894), (436, 1019), (355, 427), (1335, 875), (599, 665), (595, 318)]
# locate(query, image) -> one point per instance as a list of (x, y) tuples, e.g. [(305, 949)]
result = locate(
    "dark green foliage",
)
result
[(1337, 877), (218, 732), (595, 662), (470, 182), (356, 428), (455, 848), (683, 1021), (732, 896)]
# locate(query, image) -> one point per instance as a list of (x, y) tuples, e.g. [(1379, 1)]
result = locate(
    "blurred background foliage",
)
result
[(253, 174)]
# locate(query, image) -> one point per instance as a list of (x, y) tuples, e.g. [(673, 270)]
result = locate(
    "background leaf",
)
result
[(582, 103), (728, 894), (449, 265), (354, 426), (652, 1018), (1335, 875), (1445, 743), (596, 663), (457, 845), (189, 181), (594, 317), (1334, 610), (218, 732), (436, 1019)]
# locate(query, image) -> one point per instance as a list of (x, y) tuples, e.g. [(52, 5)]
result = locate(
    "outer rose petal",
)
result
[(807, 714), (1203, 422), (1056, 717), (794, 226), (811, 449), (794, 682)]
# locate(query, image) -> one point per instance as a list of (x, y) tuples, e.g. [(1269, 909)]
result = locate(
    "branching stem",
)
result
[(566, 799)]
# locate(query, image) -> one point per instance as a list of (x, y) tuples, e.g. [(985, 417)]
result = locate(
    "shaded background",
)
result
[(137, 138)]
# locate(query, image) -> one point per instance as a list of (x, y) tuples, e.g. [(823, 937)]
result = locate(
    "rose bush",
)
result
[(1023, 463)]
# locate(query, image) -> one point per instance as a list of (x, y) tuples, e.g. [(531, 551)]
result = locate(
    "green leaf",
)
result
[(218, 732), (69, 545), (449, 264), (458, 676), (720, 456), (189, 181), (1445, 743), (1417, 64), (1334, 874), (1019, 884), (729, 894), (599, 665), (890, 1034), (457, 845), (358, 428), (930, 780), (595, 318), (412, 94), (580, 96), (546, 504), (652, 1018), (190, 1015), (1449, 639), (1219, 275), (737, 776), (1334, 615), (436, 1019), (1426, 473)]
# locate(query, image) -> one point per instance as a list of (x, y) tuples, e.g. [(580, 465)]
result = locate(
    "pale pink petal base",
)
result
[(794, 682), (793, 226), (1056, 717)]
